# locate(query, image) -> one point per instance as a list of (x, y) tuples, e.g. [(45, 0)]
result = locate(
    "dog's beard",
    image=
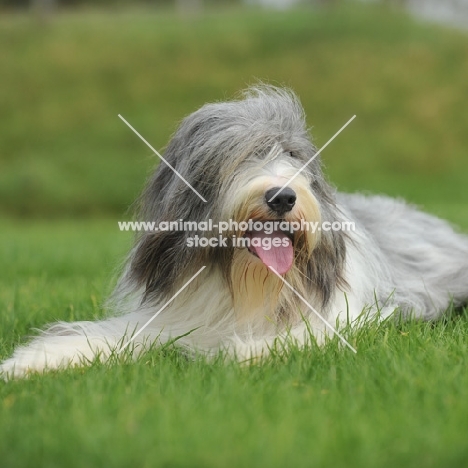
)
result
[(256, 289)]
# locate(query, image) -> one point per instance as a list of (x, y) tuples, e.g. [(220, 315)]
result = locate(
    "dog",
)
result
[(252, 160)]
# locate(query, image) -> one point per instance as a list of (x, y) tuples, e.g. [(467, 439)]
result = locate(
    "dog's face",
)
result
[(256, 196), (257, 191), (239, 156)]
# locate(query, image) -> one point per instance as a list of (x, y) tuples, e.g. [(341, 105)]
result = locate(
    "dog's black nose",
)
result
[(283, 202)]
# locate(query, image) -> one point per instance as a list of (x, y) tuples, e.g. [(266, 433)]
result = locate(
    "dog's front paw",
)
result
[(11, 368), (26, 360), (55, 352)]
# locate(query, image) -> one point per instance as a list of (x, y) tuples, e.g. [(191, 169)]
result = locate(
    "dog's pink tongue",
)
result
[(280, 258)]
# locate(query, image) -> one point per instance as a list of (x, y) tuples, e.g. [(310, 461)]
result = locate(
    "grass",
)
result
[(401, 401), (64, 152)]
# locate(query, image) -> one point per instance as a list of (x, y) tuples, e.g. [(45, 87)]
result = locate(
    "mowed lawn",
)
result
[(401, 401), (70, 169)]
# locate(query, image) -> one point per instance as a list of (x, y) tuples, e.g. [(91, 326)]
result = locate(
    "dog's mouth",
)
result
[(275, 249)]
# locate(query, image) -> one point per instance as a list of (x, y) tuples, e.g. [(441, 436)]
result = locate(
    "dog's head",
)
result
[(239, 156)]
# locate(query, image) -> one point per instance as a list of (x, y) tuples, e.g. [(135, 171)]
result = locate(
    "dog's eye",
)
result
[(292, 154)]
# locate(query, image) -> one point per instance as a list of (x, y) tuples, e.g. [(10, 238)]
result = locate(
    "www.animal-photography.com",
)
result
[(235, 233)]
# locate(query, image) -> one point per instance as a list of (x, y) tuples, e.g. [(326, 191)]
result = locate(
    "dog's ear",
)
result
[(326, 264), (179, 189), (161, 261)]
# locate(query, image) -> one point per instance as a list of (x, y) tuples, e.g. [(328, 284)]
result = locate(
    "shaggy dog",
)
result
[(238, 155)]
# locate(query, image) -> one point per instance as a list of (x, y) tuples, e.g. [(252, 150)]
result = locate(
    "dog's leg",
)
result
[(67, 344), (47, 353)]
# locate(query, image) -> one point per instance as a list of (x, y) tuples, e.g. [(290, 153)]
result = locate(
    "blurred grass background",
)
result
[(64, 152)]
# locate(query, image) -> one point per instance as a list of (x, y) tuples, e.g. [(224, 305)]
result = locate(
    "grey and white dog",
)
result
[(237, 155)]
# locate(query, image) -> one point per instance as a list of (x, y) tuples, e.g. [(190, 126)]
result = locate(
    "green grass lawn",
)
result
[(401, 401)]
